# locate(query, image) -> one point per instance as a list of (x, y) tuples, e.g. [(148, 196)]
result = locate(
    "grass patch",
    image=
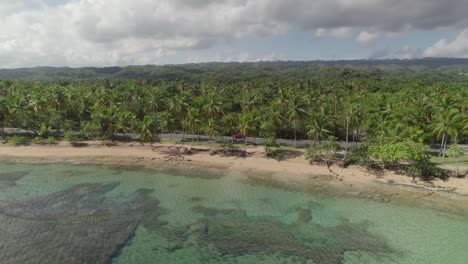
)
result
[(18, 140), (71, 137), (450, 161), (44, 141)]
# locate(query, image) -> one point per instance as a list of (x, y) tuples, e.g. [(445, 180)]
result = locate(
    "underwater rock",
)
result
[(8, 179), (232, 233), (304, 215), (195, 199), (77, 225), (241, 235), (211, 211)]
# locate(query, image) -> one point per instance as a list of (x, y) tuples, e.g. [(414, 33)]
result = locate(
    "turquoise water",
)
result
[(96, 214)]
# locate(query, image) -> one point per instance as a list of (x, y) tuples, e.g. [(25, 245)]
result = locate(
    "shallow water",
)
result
[(95, 214)]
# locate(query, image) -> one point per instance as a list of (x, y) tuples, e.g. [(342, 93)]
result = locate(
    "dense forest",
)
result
[(385, 104)]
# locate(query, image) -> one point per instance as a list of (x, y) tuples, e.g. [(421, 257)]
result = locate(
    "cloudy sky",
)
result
[(129, 32)]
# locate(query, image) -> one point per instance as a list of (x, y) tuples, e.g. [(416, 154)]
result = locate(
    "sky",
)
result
[(99, 33)]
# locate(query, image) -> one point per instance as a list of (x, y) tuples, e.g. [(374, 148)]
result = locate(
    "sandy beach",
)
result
[(296, 173)]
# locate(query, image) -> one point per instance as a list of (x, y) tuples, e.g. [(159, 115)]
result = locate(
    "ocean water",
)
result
[(62, 213)]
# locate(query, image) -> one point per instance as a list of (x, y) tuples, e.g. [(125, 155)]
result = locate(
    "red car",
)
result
[(238, 136)]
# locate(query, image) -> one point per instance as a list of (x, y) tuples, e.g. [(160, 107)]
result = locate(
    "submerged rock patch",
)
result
[(77, 225), (232, 233), (307, 241), (9, 179)]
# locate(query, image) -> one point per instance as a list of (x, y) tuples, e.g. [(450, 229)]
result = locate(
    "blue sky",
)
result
[(128, 32)]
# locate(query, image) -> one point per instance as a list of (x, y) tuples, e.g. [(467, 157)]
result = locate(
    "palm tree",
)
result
[(447, 123), (246, 125), (192, 121), (213, 105), (275, 117), (3, 110), (179, 105), (318, 129), (124, 122), (295, 114), (210, 130), (147, 129), (155, 101)]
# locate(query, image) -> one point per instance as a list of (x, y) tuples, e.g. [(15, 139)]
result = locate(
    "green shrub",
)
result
[(276, 153), (89, 130), (44, 141), (43, 131), (424, 169), (71, 137), (393, 153), (228, 146), (358, 155), (18, 140), (270, 142), (323, 152), (103, 138), (412, 156)]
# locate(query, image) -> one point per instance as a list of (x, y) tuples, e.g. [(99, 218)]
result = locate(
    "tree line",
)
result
[(349, 109)]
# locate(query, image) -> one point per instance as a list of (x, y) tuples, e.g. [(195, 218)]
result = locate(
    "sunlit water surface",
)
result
[(96, 214)]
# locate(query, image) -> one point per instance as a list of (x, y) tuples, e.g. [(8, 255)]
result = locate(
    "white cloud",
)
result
[(367, 39), (105, 32), (404, 52), (234, 56), (407, 52), (445, 48), (341, 32)]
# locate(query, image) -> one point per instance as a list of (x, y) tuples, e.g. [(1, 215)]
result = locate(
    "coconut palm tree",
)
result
[(318, 129), (192, 121), (180, 105), (212, 106), (447, 123), (3, 110), (246, 124), (124, 122), (210, 130), (147, 132), (155, 100), (295, 113)]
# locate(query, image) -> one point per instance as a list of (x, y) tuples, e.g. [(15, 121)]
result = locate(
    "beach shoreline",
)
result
[(295, 174)]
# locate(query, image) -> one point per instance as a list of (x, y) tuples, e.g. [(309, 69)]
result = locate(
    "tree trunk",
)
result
[(192, 136), (442, 145), (245, 145), (358, 135), (445, 146), (295, 135), (347, 136)]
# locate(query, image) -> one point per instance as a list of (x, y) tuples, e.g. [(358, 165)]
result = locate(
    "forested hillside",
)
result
[(436, 68)]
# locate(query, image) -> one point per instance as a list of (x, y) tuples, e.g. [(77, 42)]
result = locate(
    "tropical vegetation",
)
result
[(368, 104)]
